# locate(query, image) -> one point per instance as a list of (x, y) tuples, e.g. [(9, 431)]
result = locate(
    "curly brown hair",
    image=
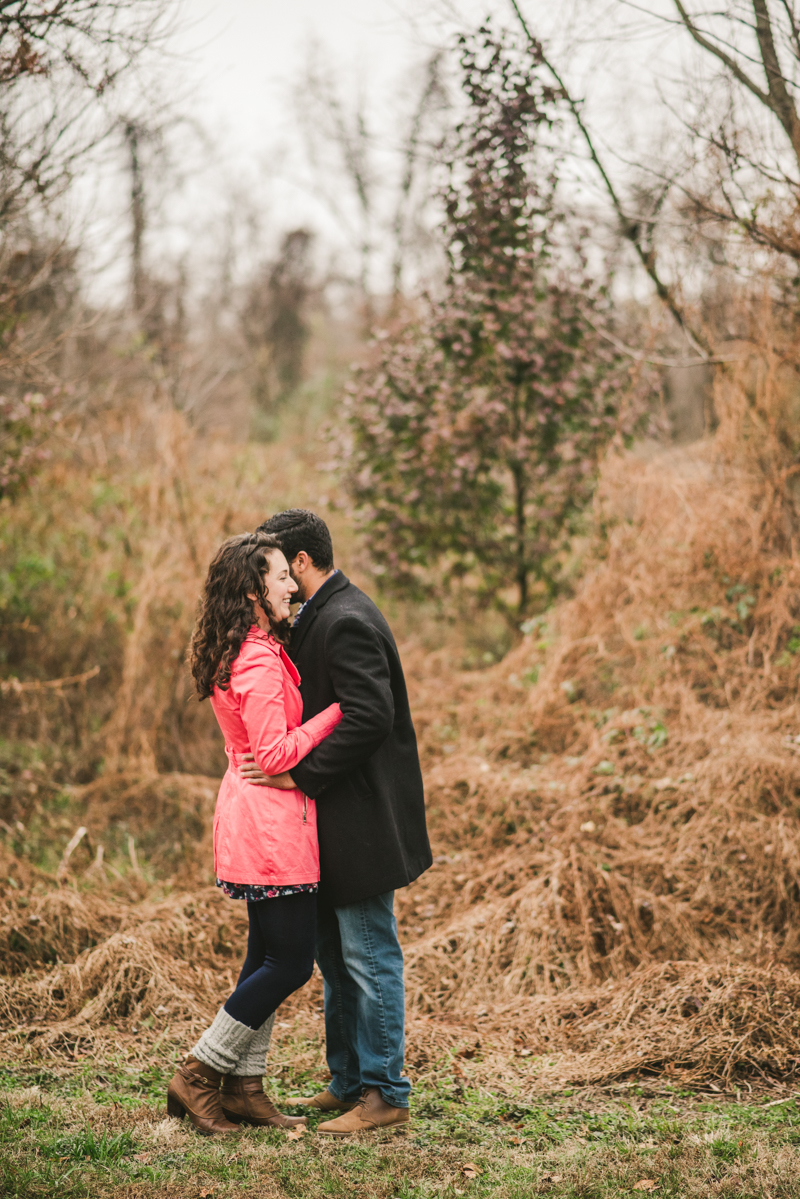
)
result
[(225, 613)]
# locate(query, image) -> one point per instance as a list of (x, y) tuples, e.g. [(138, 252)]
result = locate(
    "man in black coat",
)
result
[(367, 781)]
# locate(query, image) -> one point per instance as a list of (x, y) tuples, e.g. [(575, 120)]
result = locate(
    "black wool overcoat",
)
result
[(366, 775)]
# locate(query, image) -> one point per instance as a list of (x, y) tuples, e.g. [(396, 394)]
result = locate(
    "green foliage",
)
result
[(476, 431), (654, 735), (65, 571), (463, 1139), (87, 1145), (727, 1150), (791, 648), (24, 425)]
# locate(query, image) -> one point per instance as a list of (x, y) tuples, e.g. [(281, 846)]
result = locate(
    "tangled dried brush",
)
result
[(666, 828), (614, 806), (689, 1021), (176, 958)]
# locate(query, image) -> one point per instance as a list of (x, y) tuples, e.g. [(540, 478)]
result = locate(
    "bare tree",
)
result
[(147, 141), (329, 122), (744, 170), (275, 326), (133, 137), (637, 222), (60, 64), (432, 99), (389, 188), (755, 47)]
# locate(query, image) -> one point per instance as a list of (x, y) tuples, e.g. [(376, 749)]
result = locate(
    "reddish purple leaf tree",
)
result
[(476, 431)]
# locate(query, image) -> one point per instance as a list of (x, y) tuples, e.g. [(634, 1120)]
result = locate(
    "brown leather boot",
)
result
[(369, 1114), (324, 1102), (195, 1089), (244, 1102)]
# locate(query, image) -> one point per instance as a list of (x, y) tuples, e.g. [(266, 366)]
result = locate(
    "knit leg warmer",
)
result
[(253, 1060), (225, 1043)]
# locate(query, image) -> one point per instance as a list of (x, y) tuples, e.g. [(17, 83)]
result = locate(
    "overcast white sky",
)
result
[(236, 62), (233, 66), (245, 53)]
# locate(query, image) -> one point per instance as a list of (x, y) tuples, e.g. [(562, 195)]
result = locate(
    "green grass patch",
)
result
[(103, 1131)]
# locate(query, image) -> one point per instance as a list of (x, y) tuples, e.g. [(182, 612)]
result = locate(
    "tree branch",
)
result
[(780, 101), (631, 230), (776, 98), (723, 57), (789, 10), (15, 687)]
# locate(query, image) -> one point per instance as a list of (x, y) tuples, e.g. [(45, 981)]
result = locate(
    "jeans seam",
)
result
[(381, 1002), (376, 978), (340, 1018), (367, 933)]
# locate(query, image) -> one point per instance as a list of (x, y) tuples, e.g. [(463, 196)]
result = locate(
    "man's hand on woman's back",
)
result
[(252, 773)]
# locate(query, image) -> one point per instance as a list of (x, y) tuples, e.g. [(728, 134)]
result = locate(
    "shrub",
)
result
[(475, 433), (24, 425)]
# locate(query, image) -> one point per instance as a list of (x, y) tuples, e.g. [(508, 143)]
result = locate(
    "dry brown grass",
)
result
[(617, 877)]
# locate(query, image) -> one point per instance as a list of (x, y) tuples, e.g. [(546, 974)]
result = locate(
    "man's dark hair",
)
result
[(298, 529)]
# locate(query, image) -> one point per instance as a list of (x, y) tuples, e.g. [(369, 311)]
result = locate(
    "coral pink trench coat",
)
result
[(262, 834)]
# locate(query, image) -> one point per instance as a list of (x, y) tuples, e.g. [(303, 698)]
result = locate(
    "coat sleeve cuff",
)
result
[(305, 778)]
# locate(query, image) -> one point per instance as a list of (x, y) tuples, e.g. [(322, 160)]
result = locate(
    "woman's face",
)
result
[(279, 585)]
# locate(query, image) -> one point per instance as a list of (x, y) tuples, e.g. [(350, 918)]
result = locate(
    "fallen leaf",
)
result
[(294, 1134), (552, 1177), (143, 1157), (516, 1140), (470, 1170), (646, 1184), (206, 1194)]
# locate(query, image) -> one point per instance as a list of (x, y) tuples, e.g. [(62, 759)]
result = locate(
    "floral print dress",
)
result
[(255, 892)]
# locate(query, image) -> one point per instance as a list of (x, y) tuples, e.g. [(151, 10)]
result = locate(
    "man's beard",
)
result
[(300, 595)]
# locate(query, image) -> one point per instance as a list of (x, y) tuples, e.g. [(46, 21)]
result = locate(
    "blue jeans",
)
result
[(362, 968)]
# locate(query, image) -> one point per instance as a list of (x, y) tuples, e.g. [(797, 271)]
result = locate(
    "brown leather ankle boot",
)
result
[(243, 1101), (195, 1089), (371, 1113), (323, 1102)]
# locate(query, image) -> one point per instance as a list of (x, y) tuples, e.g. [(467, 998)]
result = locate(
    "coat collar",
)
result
[(318, 601), (257, 634), (267, 639)]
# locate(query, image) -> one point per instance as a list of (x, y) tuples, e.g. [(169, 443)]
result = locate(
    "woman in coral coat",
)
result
[(265, 839)]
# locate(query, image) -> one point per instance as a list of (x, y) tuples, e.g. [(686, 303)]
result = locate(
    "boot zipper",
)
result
[(305, 807)]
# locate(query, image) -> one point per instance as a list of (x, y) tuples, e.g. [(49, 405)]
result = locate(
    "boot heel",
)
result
[(175, 1108)]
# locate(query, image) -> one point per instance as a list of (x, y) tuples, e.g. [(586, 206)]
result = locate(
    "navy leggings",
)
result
[(280, 956)]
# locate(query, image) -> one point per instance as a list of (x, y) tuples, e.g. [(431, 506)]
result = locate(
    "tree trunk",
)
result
[(522, 571), (137, 212)]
